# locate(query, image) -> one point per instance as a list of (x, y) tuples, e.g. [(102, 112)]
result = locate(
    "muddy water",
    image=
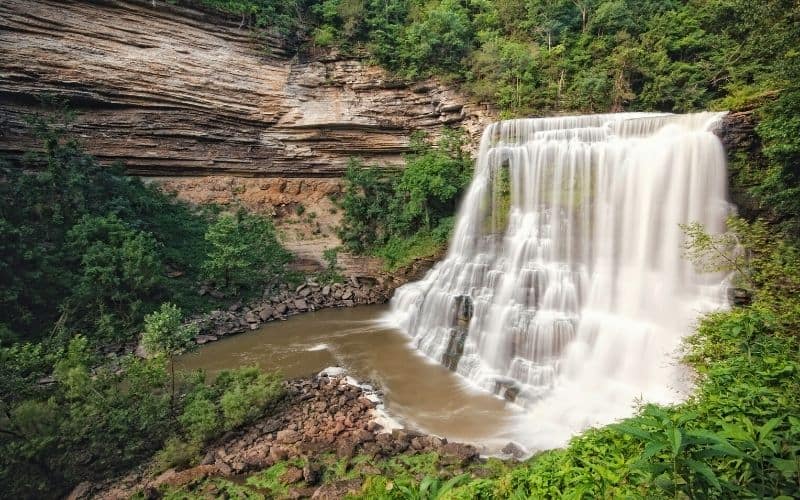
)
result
[(418, 393)]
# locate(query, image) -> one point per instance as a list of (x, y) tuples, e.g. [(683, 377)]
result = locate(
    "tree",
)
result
[(431, 183), (365, 203), (244, 251), (117, 268), (165, 335)]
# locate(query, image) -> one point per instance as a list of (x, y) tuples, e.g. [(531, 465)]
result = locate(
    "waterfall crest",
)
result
[(564, 287)]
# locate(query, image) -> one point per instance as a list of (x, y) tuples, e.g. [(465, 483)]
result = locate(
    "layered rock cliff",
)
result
[(174, 91), (211, 110)]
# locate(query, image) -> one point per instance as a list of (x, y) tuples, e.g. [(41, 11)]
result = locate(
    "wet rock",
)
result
[(281, 308), (204, 339), (300, 305), (457, 453), (347, 294), (739, 296), (333, 371), (346, 449), (363, 436), (266, 313), (278, 453)]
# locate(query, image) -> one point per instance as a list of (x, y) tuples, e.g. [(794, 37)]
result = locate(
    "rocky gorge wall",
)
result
[(175, 91), (215, 113), (212, 111)]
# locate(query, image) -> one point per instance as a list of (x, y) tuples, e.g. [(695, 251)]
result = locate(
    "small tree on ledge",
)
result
[(164, 335)]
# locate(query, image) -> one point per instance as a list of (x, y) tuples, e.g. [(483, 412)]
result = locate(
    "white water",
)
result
[(578, 292)]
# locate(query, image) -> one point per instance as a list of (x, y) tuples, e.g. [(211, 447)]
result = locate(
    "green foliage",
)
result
[(82, 425), (411, 215), (332, 272), (85, 248), (246, 392), (200, 418), (364, 203), (244, 251), (177, 453), (269, 480), (399, 251), (280, 16), (429, 187), (431, 488), (164, 333)]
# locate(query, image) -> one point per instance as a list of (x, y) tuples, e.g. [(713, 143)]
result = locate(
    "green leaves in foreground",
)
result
[(678, 457)]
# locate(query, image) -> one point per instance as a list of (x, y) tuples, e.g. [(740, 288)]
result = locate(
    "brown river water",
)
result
[(418, 393)]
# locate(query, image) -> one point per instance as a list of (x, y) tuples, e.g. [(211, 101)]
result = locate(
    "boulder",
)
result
[(205, 339), (514, 450), (300, 305), (291, 476), (81, 491), (311, 473), (457, 453), (266, 313)]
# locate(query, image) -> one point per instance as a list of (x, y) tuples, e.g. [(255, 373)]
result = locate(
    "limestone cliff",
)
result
[(212, 111), (174, 91)]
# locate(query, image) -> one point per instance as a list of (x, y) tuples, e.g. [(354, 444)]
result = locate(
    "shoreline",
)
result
[(325, 415)]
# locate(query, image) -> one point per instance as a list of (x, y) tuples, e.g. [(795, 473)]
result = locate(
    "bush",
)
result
[(244, 251), (177, 453), (245, 394), (411, 215)]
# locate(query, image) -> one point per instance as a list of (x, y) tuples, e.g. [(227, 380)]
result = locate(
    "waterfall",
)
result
[(565, 288)]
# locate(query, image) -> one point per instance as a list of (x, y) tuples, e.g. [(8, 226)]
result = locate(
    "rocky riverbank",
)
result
[(285, 302), (322, 416)]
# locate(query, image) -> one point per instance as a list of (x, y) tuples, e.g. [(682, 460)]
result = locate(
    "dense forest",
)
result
[(93, 260)]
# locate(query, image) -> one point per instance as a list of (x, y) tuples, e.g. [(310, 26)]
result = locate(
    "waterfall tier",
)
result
[(565, 287)]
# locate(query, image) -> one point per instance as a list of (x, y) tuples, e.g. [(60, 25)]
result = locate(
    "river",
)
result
[(418, 393)]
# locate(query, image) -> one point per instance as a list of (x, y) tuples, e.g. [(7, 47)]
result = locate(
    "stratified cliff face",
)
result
[(172, 92)]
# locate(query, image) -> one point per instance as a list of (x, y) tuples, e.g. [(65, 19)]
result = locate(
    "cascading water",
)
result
[(565, 287)]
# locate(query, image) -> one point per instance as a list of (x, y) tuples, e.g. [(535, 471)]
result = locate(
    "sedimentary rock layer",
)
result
[(173, 91)]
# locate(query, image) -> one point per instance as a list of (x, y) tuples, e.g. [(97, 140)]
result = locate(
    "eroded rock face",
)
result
[(173, 91)]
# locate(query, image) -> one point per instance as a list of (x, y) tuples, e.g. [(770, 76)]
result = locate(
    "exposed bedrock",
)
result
[(173, 91)]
